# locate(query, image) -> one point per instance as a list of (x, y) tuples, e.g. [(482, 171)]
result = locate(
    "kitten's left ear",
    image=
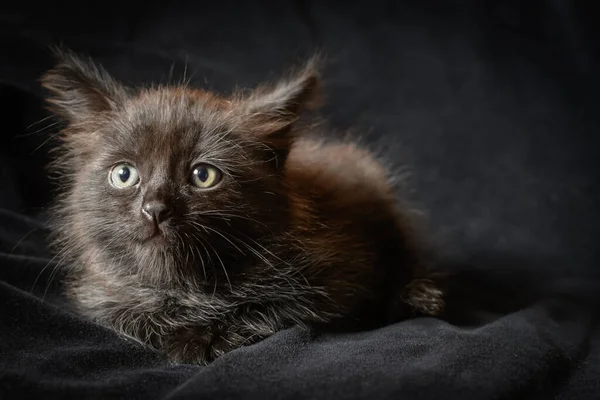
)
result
[(273, 109), (79, 88)]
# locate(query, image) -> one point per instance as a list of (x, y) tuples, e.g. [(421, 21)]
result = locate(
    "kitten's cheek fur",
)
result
[(312, 235)]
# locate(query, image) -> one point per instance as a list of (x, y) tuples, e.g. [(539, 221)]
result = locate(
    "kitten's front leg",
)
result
[(203, 344)]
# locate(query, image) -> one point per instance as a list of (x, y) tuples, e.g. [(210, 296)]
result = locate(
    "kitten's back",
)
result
[(340, 168)]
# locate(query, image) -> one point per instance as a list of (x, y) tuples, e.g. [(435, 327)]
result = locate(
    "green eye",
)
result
[(205, 176), (123, 176)]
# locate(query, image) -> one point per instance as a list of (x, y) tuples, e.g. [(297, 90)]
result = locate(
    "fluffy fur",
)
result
[(300, 231)]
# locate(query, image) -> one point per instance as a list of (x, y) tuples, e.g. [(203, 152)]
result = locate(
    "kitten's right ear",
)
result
[(273, 109), (79, 88)]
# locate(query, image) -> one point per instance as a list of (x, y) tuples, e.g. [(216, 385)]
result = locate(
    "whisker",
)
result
[(50, 137), (39, 122), (222, 265), (53, 274), (219, 213), (222, 235), (61, 254), (23, 238), (200, 255)]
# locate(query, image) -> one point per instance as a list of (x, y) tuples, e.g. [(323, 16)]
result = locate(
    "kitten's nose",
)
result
[(156, 211)]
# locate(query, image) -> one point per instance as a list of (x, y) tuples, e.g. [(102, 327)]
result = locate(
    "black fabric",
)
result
[(493, 105)]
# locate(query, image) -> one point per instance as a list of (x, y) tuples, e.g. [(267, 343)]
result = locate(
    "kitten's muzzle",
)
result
[(156, 211)]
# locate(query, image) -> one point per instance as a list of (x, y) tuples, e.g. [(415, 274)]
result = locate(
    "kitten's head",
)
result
[(163, 181)]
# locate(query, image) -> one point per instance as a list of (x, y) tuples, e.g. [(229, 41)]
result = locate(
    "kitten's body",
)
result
[(299, 231)]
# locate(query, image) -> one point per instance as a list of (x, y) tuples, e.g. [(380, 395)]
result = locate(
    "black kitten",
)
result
[(197, 223)]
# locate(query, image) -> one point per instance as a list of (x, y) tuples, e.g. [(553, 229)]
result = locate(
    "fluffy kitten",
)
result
[(196, 223)]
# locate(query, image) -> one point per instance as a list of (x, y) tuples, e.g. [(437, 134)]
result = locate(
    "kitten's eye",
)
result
[(123, 176), (205, 176)]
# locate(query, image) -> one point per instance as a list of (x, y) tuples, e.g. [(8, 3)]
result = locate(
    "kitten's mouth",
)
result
[(157, 236)]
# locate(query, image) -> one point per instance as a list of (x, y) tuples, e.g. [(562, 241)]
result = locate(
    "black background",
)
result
[(492, 106)]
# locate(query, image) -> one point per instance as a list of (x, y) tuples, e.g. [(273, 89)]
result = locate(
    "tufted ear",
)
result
[(273, 108), (79, 89)]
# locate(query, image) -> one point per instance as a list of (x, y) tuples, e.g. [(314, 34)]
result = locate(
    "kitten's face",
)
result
[(172, 182), (170, 176)]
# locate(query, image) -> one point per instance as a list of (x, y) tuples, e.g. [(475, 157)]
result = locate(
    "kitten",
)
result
[(197, 223)]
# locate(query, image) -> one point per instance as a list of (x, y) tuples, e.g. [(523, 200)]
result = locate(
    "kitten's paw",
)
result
[(189, 346), (425, 297), (198, 346)]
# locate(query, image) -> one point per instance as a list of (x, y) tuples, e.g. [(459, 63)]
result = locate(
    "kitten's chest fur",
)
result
[(275, 297)]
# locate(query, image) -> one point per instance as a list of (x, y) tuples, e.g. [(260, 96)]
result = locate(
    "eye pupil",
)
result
[(202, 174), (124, 174)]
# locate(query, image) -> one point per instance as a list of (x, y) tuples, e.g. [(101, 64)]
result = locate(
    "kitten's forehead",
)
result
[(177, 107), (165, 124), (171, 116)]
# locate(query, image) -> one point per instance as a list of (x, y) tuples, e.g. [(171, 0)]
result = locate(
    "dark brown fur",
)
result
[(300, 231)]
